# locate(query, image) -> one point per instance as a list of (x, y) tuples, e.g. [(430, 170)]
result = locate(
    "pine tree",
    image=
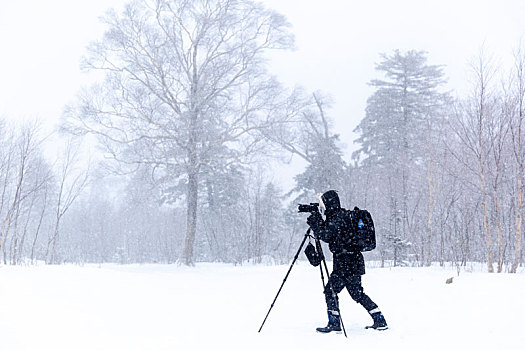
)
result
[(395, 126), (398, 138), (396, 249), (224, 225), (326, 169)]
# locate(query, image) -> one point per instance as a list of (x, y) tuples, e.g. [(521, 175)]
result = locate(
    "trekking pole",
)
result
[(323, 261), (285, 277)]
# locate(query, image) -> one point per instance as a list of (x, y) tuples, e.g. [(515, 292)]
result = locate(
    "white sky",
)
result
[(338, 42)]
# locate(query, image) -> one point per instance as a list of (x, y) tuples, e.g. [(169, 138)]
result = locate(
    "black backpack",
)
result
[(364, 237)]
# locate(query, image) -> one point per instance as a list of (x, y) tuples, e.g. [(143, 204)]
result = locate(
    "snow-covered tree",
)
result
[(309, 136), (396, 249), (25, 180), (398, 139), (224, 221), (395, 125), (516, 109), (185, 83)]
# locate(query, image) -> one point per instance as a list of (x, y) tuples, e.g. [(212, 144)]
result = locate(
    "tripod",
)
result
[(321, 265)]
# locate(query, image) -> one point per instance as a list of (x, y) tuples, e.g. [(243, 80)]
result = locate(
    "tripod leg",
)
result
[(285, 277)]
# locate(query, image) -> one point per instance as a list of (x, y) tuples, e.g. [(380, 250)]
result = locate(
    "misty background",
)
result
[(413, 111)]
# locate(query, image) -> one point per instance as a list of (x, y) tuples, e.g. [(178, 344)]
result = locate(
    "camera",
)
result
[(309, 208)]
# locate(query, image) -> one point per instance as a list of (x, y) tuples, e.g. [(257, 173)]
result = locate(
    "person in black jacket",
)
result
[(349, 264)]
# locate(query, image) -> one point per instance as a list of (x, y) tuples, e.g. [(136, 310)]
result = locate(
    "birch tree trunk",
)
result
[(520, 96)]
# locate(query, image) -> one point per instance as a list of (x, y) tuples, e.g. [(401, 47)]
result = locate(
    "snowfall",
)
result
[(219, 306)]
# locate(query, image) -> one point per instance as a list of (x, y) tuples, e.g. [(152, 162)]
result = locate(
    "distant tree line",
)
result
[(187, 117), (36, 192), (444, 177)]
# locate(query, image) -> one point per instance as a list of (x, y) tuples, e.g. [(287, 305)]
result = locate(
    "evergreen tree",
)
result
[(224, 228), (395, 125), (396, 249), (271, 231), (320, 148), (326, 169), (398, 139)]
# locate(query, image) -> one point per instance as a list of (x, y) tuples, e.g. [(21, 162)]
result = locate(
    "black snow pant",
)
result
[(339, 281)]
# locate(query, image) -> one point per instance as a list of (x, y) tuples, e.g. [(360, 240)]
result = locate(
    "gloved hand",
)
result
[(315, 220)]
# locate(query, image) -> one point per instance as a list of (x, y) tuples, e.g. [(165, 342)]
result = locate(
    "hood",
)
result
[(331, 200)]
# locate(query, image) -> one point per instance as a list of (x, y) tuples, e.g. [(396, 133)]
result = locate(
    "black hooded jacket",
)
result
[(335, 231)]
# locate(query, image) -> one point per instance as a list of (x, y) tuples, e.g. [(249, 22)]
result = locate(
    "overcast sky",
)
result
[(338, 42)]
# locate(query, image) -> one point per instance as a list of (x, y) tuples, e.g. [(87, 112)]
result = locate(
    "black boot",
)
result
[(334, 323), (379, 321)]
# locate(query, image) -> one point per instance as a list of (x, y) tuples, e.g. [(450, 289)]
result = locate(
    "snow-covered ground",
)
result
[(215, 306)]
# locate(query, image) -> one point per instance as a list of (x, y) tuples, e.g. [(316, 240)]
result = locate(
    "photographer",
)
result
[(348, 262)]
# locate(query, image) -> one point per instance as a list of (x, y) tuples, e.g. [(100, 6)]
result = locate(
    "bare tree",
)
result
[(475, 121), (517, 110), (41, 216), (22, 179), (7, 153), (307, 124), (498, 132), (185, 83), (71, 182)]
